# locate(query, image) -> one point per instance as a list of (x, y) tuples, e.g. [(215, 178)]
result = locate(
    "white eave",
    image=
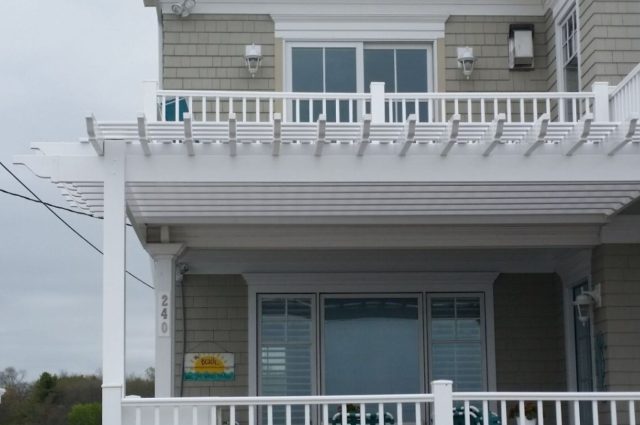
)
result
[(267, 172)]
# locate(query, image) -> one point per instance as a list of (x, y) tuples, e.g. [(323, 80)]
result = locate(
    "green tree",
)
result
[(85, 414)]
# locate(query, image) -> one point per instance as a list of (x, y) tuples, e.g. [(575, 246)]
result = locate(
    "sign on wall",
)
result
[(209, 367)]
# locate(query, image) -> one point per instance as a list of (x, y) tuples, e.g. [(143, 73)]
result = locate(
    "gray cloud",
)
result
[(59, 61)]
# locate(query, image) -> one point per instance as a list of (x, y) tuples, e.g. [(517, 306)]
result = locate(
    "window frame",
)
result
[(566, 11), (360, 46)]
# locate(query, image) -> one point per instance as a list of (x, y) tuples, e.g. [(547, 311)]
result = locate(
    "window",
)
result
[(569, 37), (457, 341), (352, 67)]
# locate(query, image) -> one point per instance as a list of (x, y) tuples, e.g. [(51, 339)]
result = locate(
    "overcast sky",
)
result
[(59, 61)]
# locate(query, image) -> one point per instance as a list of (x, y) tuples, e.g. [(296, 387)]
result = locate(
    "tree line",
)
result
[(62, 399)]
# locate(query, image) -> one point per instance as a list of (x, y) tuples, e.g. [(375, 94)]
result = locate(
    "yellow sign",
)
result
[(209, 367)]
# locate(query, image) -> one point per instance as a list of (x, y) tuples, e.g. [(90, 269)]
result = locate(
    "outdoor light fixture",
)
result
[(184, 8), (466, 60), (2, 391), (253, 58), (585, 301)]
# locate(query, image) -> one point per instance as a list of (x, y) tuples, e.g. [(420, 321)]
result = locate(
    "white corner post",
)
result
[(113, 283), (164, 257), (150, 100), (601, 101), (377, 102), (442, 402)]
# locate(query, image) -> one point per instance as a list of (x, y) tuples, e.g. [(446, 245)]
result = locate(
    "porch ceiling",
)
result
[(211, 172)]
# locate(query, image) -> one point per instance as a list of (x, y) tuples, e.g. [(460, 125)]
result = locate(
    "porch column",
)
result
[(164, 274), (113, 283)]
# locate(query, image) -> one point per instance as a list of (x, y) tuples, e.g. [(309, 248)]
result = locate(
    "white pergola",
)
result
[(165, 173)]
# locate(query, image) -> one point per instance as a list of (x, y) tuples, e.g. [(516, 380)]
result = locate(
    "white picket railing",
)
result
[(216, 106), (442, 407), (625, 97)]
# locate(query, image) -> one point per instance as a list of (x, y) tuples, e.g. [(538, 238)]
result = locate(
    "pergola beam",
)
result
[(538, 133), (95, 138), (365, 135), (188, 133), (321, 134), (277, 134), (451, 133), (632, 127), (409, 134), (494, 134), (584, 129), (142, 134)]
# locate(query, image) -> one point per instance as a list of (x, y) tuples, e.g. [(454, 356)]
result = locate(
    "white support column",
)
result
[(601, 101), (150, 100), (113, 283), (377, 102), (164, 274), (442, 402)]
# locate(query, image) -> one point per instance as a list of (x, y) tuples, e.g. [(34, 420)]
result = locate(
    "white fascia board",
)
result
[(363, 28), (340, 8)]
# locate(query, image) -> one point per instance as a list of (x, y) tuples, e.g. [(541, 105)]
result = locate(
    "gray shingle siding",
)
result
[(609, 39)]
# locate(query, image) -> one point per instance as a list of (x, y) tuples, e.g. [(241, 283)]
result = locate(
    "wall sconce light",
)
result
[(585, 301), (253, 58), (466, 60), (184, 8)]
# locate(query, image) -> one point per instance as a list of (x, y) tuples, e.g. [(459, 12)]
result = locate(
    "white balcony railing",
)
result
[(218, 106), (625, 97), (442, 407)]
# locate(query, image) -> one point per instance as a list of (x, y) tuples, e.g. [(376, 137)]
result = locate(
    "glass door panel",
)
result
[(372, 345)]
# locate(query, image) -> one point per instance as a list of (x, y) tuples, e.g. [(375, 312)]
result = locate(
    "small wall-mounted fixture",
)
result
[(183, 8), (521, 46), (585, 301), (253, 58), (466, 60)]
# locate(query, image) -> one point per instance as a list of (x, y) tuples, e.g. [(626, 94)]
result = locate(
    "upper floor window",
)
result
[(570, 47), (351, 68)]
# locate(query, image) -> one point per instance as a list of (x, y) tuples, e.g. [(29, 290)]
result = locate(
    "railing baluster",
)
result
[(269, 414), (483, 116), (231, 111), (548, 106), (443, 108), (176, 415), (337, 110), (350, 111), (594, 412), (204, 108), (307, 415), (287, 414), (363, 414), (244, 109), (297, 103), (325, 414), (324, 106), (467, 416), (343, 414), (214, 416), (418, 414), (156, 416), (456, 109), (535, 110), (190, 104), (176, 116), (485, 412), (138, 416), (522, 109), (270, 108), (561, 104), (558, 412), (416, 108), (194, 415), (311, 111), (632, 412), (469, 110), (503, 411), (232, 415), (257, 109), (380, 414), (614, 413), (508, 109), (574, 110), (495, 108), (399, 420), (539, 408), (252, 415), (404, 110), (576, 412), (164, 108), (217, 108), (285, 118)]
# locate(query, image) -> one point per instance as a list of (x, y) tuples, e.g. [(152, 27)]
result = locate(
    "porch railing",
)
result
[(625, 97), (244, 106), (442, 407)]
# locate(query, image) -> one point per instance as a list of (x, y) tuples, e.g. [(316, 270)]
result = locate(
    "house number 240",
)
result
[(165, 315)]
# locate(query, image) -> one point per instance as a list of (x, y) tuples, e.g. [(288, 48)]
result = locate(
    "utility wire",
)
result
[(47, 206), (26, 198)]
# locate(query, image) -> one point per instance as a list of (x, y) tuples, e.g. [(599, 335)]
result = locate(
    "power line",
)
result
[(26, 198), (70, 227)]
